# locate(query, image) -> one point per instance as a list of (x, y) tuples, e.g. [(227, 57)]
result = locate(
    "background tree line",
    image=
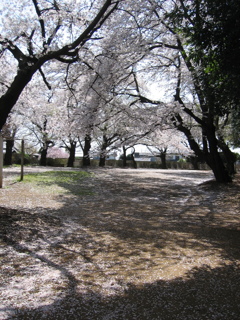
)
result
[(111, 74)]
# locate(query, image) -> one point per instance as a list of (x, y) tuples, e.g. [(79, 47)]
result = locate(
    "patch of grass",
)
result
[(52, 180), (53, 177)]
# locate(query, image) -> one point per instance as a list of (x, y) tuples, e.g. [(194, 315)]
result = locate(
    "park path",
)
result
[(138, 244)]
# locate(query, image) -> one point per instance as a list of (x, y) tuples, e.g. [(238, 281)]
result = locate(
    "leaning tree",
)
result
[(198, 99), (36, 32)]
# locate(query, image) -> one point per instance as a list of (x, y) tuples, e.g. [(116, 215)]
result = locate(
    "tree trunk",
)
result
[(72, 151), (86, 151), (210, 154), (102, 160), (229, 157), (8, 154), (43, 158), (8, 100), (124, 157), (133, 160), (44, 150), (215, 161), (163, 159), (220, 172)]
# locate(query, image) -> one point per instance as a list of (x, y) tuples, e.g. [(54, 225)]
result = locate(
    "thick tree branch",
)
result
[(29, 65), (16, 52), (94, 25), (178, 123)]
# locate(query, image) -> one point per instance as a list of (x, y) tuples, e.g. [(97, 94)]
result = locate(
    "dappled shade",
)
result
[(142, 245)]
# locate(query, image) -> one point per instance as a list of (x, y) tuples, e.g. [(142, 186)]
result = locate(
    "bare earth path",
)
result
[(122, 244)]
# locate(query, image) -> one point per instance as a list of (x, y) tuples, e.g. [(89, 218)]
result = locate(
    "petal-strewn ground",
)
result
[(120, 244)]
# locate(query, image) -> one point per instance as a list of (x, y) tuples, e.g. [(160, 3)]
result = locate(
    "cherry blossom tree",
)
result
[(161, 142), (67, 130), (40, 116), (43, 31), (116, 56), (195, 99), (97, 105)]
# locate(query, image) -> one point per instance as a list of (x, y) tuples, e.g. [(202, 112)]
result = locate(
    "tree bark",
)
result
[(124, 157), (43, 158), (102, 160), (86, 151), (163, 159), (8, 100), (229, 157), (8, 155), (133, 160), (214, 159), (210, 153), (72, 151), (44, 150)]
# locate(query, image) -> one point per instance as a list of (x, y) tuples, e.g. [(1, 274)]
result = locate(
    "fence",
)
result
[(145, 164)]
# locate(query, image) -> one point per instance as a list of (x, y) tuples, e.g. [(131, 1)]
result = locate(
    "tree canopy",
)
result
[(118, 71), (215, 38), (43, 31)]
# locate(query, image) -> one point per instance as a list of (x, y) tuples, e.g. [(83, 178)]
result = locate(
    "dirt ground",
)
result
[(120, 244)]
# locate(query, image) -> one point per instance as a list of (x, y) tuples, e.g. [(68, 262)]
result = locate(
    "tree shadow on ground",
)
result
[(205, 294), (132, 230), (202, 293), (146, 211)]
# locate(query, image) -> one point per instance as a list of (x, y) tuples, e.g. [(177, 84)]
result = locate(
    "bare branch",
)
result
[(162, 45), (44, 79), (41, 21)]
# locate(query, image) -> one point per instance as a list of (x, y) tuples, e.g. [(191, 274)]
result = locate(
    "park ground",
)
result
[(119, 244)]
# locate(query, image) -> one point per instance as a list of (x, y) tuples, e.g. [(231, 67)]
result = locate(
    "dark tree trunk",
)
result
[(216, 162), (209, 153), (72, 151), (44, 150), (8, 100), (8, 154), (133, 160), (220, 172), (102, 160), (124, 157), (43, 158), (163, 159), (86, 150), (229, 157), (214, 159)]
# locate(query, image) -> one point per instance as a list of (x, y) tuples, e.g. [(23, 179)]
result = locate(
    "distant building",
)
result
[(111, 156), (173, 156), (145, 157), (150, 157)]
